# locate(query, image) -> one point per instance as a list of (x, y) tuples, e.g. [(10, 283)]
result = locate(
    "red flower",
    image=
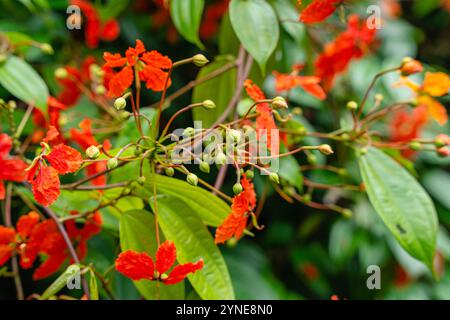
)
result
[(151, 66), (310, 84), (84, 138), (11, 168), (318, 10), (350, 44), (211, 21), (138, 266), (45, 179), (54, 108), (95, 29), (235, 223), (265, 123)]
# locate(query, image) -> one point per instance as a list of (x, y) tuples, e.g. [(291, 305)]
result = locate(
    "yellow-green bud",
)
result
[(92, 152), (439, 142), (235, 135), (326, 149), (12, 104), (249, 174), (209, 104), (221, 159), (47, 48), (192, 179), (163, 276), (3, 58), (279, 103), (101, 90), (379, 97), (189, 132), (237, 188), (112, 163), (347, 213), (204, 167), (61, 73), (297, 111), (141, 180), (352, 105), (120, 103), (415, 145), (169, 171), (274, 177), (125, 115), (199, 60), (306, 198), (363, 151)]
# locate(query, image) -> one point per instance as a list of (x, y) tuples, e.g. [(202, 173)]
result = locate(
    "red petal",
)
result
[(7, 235), (135, 266), (120, 82), (64, 159), (5, 253), (110, 30), (114, 60), (157, 60), (318, 10), (165, 256), (155, 79), (233, 225), (5, 145), (46, 186), (52, 134), (26, 224), (12, 170), (2, 190), (50, 266), (181, 271)]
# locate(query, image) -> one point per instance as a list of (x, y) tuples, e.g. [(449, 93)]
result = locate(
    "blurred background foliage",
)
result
[(302, 252)]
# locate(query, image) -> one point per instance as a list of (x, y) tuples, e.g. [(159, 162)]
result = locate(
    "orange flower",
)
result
[(310, 84), (435, 84), (45, 179), (54, 108), (265, 123), (337, 55), (151, 67), (84, 138), (235, 223), (138, 266), (11, 168), (95, 29), (318, 10), (410, 66)]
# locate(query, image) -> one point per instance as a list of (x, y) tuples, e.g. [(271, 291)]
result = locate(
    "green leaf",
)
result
[(23, 82), (187, 16), (228, 41), (137, 232), (290, 170), (60, 282), (211, 209), (193, 241), (288, 15), (256, 25), (402, 204), (219, 89)]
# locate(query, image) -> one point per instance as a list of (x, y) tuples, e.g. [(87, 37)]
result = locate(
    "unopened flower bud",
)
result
[(352, 105), (347, 213), (415, 145), (297, 111), (379, 97), (92, 152), (192, 179), (279, 103), (441, 141), (120, 103), (221, 159), (61, 73), (112, 163), (125, 115), (100, 90), (363, 151), (410, 66), (274, 177), (141, 180), (189, 132), (209, 104), (46, 48), (169, 171), (204, 167), (237, 188), (200, 60), (306, 198), (235, 135), (443, 152), (249, 174), (326, 149)]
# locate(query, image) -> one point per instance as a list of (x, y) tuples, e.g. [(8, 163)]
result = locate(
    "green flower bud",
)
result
[(169, 171), (306, 198), (120, 103), (221, 159), (92, 152), (61, 73), (363, 151), (235, 135), (141, 180), (204, 167), (237, 188), (209, 104), (297, 111), (199, 60), (326, 149), (47, 48), (415, 145), (192, 179), (249, 174), (100, 90), (125, 115), (189, 132), (279, 103), (347, 213), (274, 177), (352, 105), (112, 163), (440, 142)]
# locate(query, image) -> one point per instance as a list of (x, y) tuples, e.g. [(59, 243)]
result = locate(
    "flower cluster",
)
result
[(11, 168)]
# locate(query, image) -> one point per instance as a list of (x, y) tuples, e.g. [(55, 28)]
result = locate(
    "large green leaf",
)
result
[(23, 82), (288, 15), (220, 90), (290, 170), (402, 204), (187, 16), (211, 209), (193, 241), (137, 232), (256, 25)]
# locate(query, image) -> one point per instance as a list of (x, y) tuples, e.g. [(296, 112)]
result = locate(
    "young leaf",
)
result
[(256, 25), (220, 89), (137, 232), (23, 82), (402, 204), (193, 241), (211, 209), (187, 16)]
